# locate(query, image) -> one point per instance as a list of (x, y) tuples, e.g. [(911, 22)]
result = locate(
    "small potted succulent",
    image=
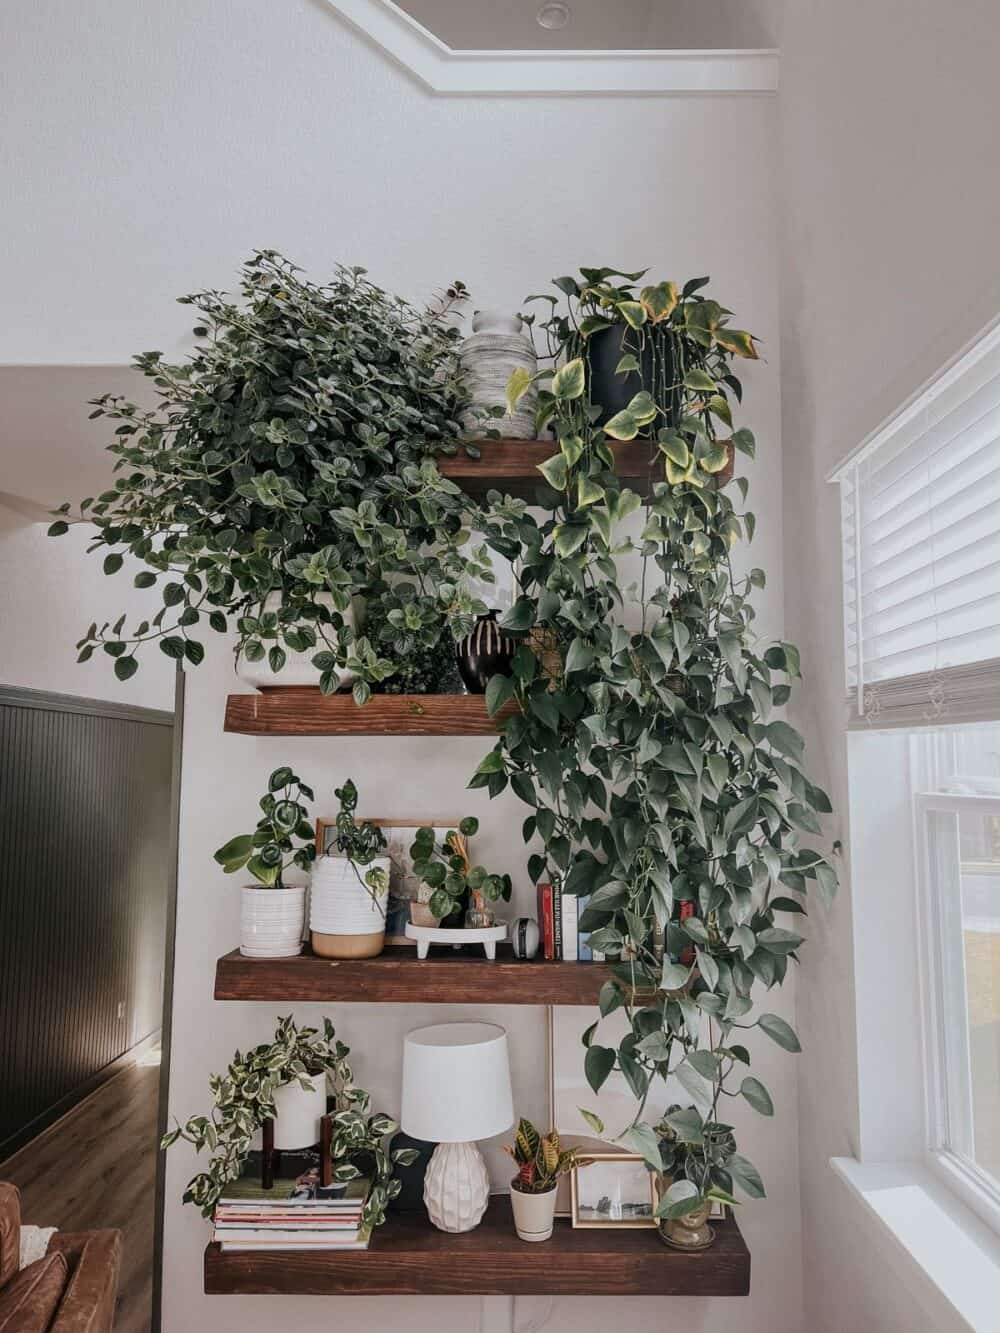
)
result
[(453, 892), (272, 913), (540, 1163), (350, 891)]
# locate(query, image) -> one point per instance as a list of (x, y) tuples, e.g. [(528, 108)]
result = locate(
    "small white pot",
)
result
[(298, 1113), (298, 669), (346, 917), (271, 921), (533, 1213)]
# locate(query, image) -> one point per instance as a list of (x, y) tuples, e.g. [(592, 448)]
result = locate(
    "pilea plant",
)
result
[(269, 851), (291, 454), (658, 771), (447, 869), (243, 1098), (540, 1159)]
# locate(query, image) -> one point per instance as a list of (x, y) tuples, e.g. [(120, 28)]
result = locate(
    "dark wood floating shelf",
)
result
[(408, 1256), (511, 467), (305, 711), (397, 976)]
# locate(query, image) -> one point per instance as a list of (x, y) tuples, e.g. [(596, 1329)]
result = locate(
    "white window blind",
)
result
[(921, 539)]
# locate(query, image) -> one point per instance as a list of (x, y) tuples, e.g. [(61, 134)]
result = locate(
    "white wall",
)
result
[(153, 148), (49, 594), (891, 209)]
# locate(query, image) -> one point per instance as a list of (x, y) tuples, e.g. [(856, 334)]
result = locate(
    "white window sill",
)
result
[(938, 1239)]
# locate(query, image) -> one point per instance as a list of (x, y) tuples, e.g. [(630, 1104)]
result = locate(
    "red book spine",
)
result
[(547, 921), (687, 909)]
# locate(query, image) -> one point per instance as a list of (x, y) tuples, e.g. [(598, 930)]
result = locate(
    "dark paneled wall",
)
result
[(84, 875)]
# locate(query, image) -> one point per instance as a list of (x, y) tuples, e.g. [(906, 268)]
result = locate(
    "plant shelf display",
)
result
[(398, 976), (511, 467), (307, 712), (409, 1256)]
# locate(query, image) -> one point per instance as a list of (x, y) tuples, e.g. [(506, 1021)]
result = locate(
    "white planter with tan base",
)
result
[(534, 1214), (346, 917)]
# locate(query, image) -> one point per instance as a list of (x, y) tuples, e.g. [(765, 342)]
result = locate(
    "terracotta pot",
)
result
[(533, 1213)]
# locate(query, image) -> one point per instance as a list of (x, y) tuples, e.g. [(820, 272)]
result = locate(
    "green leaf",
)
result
[(680, 1199), (588, 492), (498, 691), (568, 381), (757, 1095), (778, 1030), (719, 407), (112, 563), (594, 1121), (622, 426), (579, 657), (632, 312), (674, 976), (699, 381), (235, 853), (126, 667), (597, 1065), (785, 739), (517, 386), (746, 1175), (57, 529), (555, 471), (521, 615), (642, 1140)]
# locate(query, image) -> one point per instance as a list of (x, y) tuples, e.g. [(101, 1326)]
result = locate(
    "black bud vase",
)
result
[(487, 651)]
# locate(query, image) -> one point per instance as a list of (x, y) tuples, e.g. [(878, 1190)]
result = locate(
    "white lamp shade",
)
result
[(456, 1083)]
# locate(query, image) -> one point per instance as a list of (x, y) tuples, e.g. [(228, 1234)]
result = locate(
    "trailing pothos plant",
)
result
[(291, 454), (243, 1098), (658, 769)]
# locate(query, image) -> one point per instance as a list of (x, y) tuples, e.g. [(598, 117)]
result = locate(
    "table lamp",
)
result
[(456, 1088)]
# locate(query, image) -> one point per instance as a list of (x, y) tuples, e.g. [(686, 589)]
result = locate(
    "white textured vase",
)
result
[(298, 1113), (346, 917), (533, 1213), (456, 1187), (497, 346), (271, 921), (298, 669)]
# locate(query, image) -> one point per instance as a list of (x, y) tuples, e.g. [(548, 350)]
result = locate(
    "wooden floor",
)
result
[(95, 1168)]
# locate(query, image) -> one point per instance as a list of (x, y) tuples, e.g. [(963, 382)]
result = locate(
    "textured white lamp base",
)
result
[(456, 1187)]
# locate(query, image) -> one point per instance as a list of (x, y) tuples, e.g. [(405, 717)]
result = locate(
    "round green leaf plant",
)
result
[(658, 767), (292, 453), (284, 835), (447, 870)]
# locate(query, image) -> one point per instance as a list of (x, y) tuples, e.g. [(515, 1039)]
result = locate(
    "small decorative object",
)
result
[(485, 652), (411, 1177), (295, 667), (488, 936), (456, 1089), (525, 937), (540, 1164), (685, 1193), (615, 1191), (496, 348), (272, 915), (350, 891), (460, 892), (244, 1102), (689, 1231)]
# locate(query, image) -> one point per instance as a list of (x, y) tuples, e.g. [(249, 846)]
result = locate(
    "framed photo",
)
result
[(403, 883), (613, 1189)]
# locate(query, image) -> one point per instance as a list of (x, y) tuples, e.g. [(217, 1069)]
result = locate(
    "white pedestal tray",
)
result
[(487, 936)]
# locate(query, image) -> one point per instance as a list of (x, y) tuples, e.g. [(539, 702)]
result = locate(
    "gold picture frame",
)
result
[(639, 1193)]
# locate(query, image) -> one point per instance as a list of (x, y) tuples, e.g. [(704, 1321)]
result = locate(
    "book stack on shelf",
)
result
[(297, 1213), (559, 927)]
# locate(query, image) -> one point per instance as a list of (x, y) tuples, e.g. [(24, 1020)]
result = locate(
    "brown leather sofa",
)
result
[(93, 1260)]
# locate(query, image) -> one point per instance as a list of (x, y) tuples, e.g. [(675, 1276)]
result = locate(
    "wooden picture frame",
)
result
[(630, 1165), (402, 882)]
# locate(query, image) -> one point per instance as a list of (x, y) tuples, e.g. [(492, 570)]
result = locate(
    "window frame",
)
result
[(944, 1003)]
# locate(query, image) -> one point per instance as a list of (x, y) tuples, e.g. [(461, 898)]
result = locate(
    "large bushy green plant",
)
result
[(292, 453), (659, 769)]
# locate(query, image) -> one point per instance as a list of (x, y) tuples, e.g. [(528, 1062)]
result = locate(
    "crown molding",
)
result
[(562, 73)]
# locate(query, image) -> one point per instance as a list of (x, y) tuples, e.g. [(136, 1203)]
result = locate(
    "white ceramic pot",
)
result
[(346, 917), (497, 347), (298, 669), (533, 1213), (298, 1113), (271, 921)]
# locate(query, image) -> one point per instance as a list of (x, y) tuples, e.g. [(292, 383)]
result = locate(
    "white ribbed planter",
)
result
[(533, 1213), (497, 346), (271, 921), (298, 669), (346, 918), (298, 1113)]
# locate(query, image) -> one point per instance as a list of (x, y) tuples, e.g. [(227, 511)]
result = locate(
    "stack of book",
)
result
[(297, 1213), (558, 924)]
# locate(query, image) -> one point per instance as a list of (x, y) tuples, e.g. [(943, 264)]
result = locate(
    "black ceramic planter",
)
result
[(486, 652), (613, 392)]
